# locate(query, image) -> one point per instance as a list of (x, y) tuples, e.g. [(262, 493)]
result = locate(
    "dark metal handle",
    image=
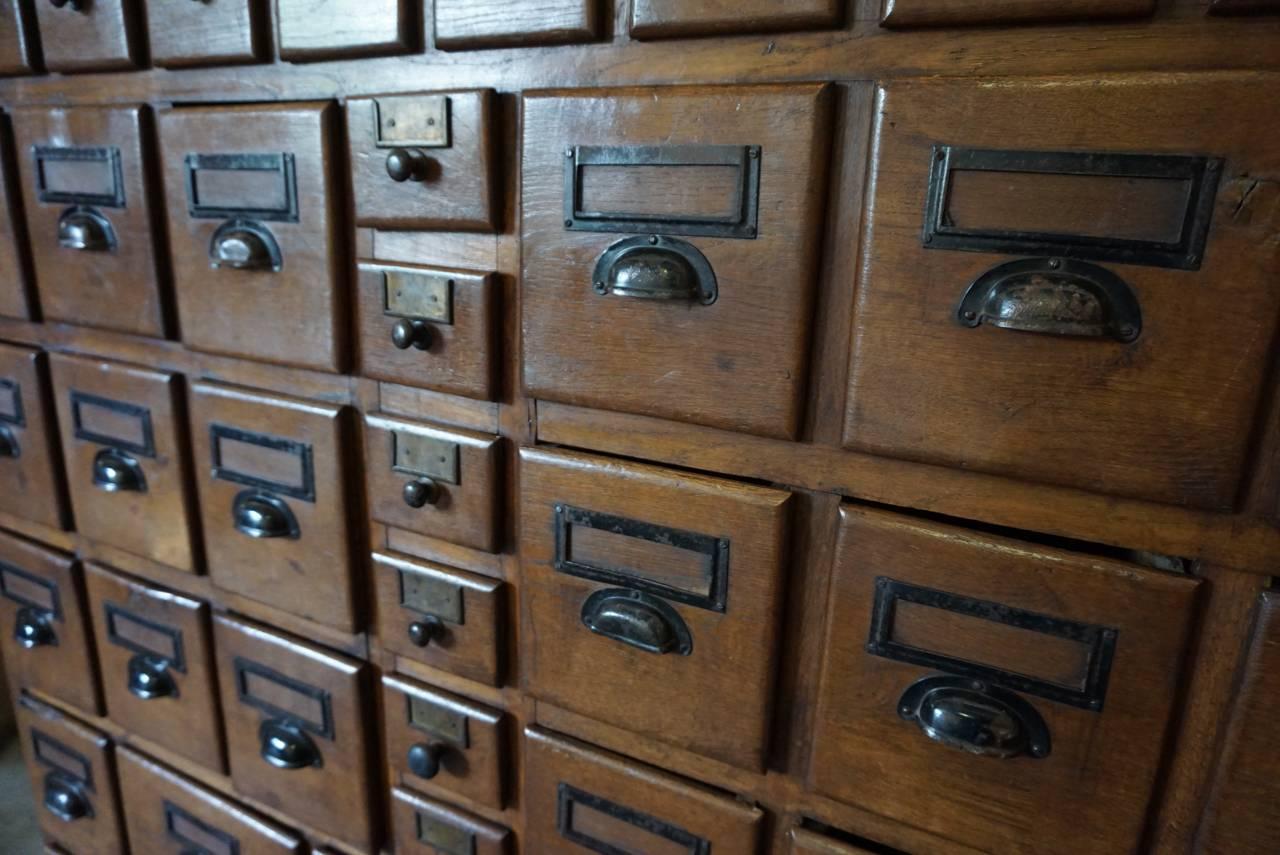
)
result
[(423, 632), (976, 717), (1058, 296), (85, 229), (407, 164), (114, 471), (65, 798), (263, 516), (656, 268), (34, 628), (8, 443), (285, 745), (149, 677), (637, 619), (244, 245), (421, 492), (411, 332), (76, 5), (424, 759)]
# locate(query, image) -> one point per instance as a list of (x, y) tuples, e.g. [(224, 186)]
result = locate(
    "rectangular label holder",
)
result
[(145, 448), (305, 492), (274, 167), (107, 156)]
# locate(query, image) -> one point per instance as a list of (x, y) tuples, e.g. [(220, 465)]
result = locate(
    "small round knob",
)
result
[(423, 632), (406, 164), (33, 629), (420, 492), (424, 759), (409, 333)]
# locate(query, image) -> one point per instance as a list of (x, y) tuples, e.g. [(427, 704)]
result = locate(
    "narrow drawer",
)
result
[(167, 812), (1041, 679), (930, 13), (16, 284), (156, 659), (29, 458), (297, 729), (254, 205), (448, 619), (311, 30), (427, 827), (19, 38), (1067, 302), (472, 24), (91, 35), (428, 326), (273, 498), (45, 629), (124, 437), (648, 591), (443, 744), (73, 780), (211, 32), (579, 799), (658, 252), (89, 217), (441, 482), (659, 19)]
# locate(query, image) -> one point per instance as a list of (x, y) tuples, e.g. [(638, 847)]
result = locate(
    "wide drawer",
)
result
[(91, 35), (656, 19), (671, 248), (944, 645), (211, 32), (646, 591), (124, 438), (29, 458), (1089, 305), (427, 827), (935, 13)]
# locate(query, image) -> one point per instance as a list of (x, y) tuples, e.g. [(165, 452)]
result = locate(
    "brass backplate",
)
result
[(420, 121), (445, 837), (414, 294), (431, 596), (415, 454), (439, 720)]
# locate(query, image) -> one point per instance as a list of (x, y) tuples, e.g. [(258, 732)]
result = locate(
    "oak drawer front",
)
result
[(1054, 316), (443, 744), (472, 24), (167, 812), (89, 218), (448, 619), (273, 489), (15, 280), (580, 799), (124, 438), (28, 443), (428, 326), (155, 655), (73, 780), (646, 592), (44, 624), (805, 842), (211, 32), (19, 39), (312, 30), (297, 728), (254, 203), (102, 35), (1059, 666), (674, 247), (427, 827), (931, 13), (674, 18), (441, 482), (424, 161)]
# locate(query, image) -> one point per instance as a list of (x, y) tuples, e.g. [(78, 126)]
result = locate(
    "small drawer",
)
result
[(44, 624), (656, 251), (1054, 301), (428, 326), (311, 30), (931, 13), (445, 618), (73, 780), (427, 827), (1059, 667), (660, 19), (19, 38), (29, 457), (255, 208), (441, 482), (273, 499), (580, 799), (297, 729), (471, 24), (167, 812), (424, 161), (211, 32), (648, 591), (124, 437), (89, 218), (91, 35), (443, 744), (156, 660)]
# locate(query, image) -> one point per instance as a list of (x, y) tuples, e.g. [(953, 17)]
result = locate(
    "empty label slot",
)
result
[(663, 563), (191, 831), (10, 402), (110, 422), (680, 191), (263, 689), (51, 753), (32, 592), (240, 188), (263, 461), (604, 826), (143, 636), (78, 177)]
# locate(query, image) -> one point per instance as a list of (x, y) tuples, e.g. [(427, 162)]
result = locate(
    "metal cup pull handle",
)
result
[(85, 229), (285, 745), (656, 268), (637, 619), (976, 717), (65, 798), (32, 628), (9, 443), (245, 245), (1057, 296), (115, 472), (150, 678), (261, 515)]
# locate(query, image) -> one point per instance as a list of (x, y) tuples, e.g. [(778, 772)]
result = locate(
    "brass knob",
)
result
[(420, 492), (406, 164), (409, 333), (423, 632)]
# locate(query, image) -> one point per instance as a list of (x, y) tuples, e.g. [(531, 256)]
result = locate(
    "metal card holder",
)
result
[(57, 757), (14, 415), (174, 657), (145, 448), (108, 156), (272, 166), (425, 457), (411, 121), (195, 836), (243, 668), (444, 836), (52, 606), (306, 492), (439, 719), (409, 293), (430, 596), (570, 797)]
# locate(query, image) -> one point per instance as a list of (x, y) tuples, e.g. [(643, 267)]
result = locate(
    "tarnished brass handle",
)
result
[(976, 717), (285, 745), (115, 472), (261, 515), (656, 268), (33, 628), (637, 619), (85, 230), (65, 798), (150, 679), (244, 245)]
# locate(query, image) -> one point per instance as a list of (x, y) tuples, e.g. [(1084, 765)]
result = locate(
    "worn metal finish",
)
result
[(245, 245), (976, 717), (439, 720), (418, 121), (637, 619), (85, 229), (266, 167), (107, 156), (425, 456), (656, 268), (116, 472), (262, 515), (569, 799), (431, 596), (286, 746), (444, 836), (414, 294)]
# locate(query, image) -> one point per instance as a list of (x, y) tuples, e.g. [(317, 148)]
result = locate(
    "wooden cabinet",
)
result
[(211, 32), (29, 459), (101, 35)]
